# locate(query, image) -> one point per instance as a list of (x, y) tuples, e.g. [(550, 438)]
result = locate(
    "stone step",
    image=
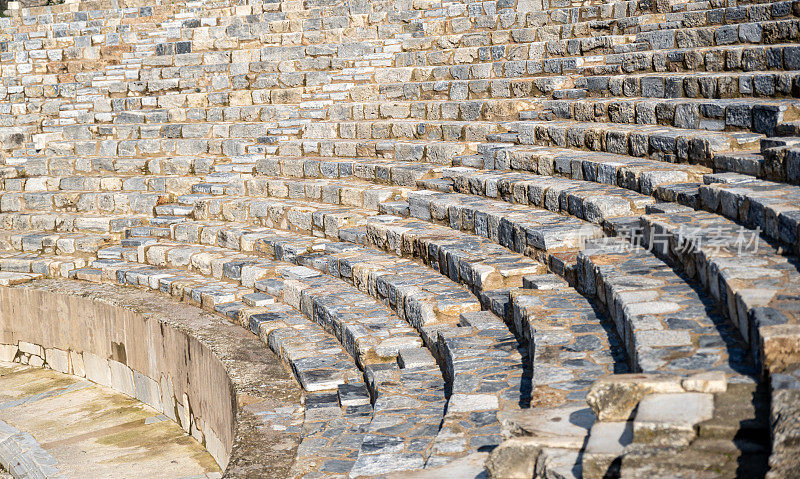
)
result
[(663, 143), (664, 323), (773, 208), (593, 202), (752, 282), (59, 244), (758, 79), (760, 116), (62, 222), (633, 173), (471, 402), (136, 203)]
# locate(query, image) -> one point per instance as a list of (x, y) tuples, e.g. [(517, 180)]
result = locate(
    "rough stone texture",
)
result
[(452, 221), (244, 364)]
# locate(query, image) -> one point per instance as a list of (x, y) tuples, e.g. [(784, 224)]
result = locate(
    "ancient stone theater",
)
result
[(502, 239)]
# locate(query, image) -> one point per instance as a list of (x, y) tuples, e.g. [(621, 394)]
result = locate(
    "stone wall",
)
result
[(167, 363)]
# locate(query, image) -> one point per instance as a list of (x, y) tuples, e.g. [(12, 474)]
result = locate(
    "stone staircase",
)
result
[(550, 238)]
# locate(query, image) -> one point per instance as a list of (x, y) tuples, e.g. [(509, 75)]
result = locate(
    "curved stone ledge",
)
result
[(203, 373), (23, 456)]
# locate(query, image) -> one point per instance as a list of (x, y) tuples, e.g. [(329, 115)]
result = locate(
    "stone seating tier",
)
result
[(532, 238)]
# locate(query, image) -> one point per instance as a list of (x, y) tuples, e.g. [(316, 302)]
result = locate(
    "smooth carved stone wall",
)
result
[(165, 354)]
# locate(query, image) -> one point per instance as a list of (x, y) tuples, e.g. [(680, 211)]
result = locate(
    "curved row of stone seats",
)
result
[(497, 278), (83, 201), (70, 222), (365, 267), (337, 403), (465, 404), (665, 323), (607, 45), (59, 244), (175, 185), (593, 202), (760, 116), (620, 15), (645, 269), (219, 134), (718, 84), (395, 390), (376, 336), (633, 173), (750, 279), (773, 208), (34, 266), (375, 170), (722, 151), (675, 145), (458, 82), (417, 211), (769, 206)]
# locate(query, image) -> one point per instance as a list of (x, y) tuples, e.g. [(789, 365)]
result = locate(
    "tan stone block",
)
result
[(97, 369), (30, 348), (615, 397), (8, 352), (240, 98), (76, 364), (57, 359), (121, 378), (706, 382)]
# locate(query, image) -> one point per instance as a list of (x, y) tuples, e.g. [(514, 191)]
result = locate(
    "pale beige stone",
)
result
[(615, 397), (57, 359), (706, 382)]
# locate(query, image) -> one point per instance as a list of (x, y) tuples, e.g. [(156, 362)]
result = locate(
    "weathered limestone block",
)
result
[(614, 398), (670, 419)]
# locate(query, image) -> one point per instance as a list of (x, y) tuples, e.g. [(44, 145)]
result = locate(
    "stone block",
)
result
[(76, 365), (415, 358), (147, 390), (8, 352), (559, 427), (706, 382), (670, 419), (614, 398), (461, 402), (514, 458), (30, 348), (57, 360), (607, 442), (121, 378), (97, 369)]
